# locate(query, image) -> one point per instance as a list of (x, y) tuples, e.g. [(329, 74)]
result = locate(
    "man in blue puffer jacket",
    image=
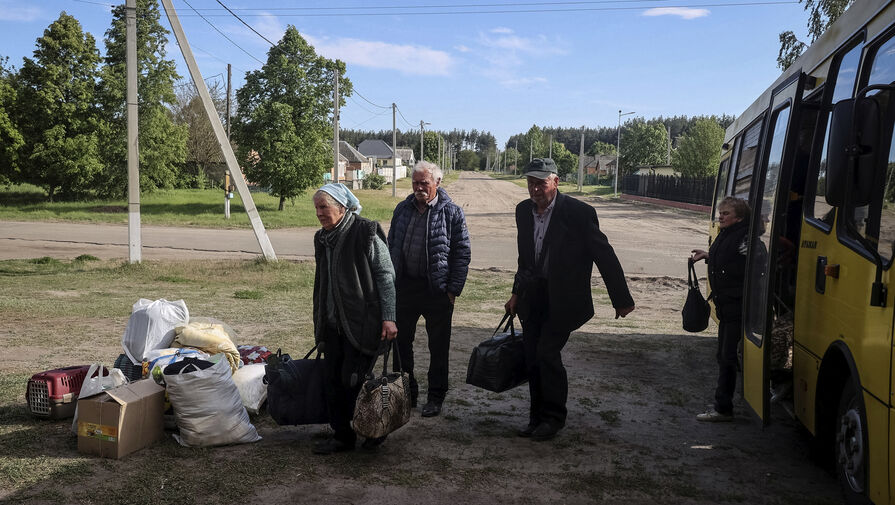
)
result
[(429, 246)]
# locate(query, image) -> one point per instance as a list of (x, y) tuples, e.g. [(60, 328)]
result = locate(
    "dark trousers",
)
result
[(728, 362), (548, 383), (345, 368), (415, 299)]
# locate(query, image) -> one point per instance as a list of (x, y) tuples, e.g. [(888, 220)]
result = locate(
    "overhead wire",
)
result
[(222, 33), (404, 118)]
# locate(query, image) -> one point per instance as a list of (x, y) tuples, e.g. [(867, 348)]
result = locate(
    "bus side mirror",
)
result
[(854, 136)]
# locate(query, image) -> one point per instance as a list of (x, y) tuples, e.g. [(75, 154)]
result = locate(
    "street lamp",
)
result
[(618, 146)]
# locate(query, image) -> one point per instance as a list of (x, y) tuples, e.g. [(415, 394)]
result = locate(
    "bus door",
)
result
[(767, 221)]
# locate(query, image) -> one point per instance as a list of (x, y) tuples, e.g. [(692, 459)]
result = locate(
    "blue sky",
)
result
[(567, 63)]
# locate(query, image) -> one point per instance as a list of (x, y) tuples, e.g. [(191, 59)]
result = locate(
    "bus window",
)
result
[(758, 256), (723, 173), (877, 221), (846, 72), (748, 155)]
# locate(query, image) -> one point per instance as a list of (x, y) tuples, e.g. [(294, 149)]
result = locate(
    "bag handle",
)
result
[(388, 347), (508, 318), (692, 280), (308, 355)]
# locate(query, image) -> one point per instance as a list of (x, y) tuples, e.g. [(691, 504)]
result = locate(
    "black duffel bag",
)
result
[(295, 389), (498, 364), (696, 311)]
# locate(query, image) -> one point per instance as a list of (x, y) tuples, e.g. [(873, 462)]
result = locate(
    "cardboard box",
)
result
[(119, 421)]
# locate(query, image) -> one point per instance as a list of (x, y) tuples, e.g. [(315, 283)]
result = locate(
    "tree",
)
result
[(601, 148), (162, 142), (468, 160), (57, 113), (699, 152), (566, 162), (294, 81), (431, 150), (203, 150), (643, 144), (512, 157), (532, 145), (10, 137), (822, 13)]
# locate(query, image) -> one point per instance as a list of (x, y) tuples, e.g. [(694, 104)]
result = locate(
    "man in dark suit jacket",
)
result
[(559, 240)]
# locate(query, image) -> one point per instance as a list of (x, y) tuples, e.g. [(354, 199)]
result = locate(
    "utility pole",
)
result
[(336, 125), (422, 138), (668, 155), (229, 91), (516, 158), (531, 146), (134, 240), (581, 161), (394, 153), (618, 147), (550, 149)]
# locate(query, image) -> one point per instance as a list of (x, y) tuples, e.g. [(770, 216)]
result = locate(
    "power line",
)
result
[(524, 11), (222, 33), (356, 92), (404, 118), (243, 22), (368, 119)]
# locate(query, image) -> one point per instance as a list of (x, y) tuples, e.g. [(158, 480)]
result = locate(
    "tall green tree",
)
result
[(600, 147), (431, 143), (468, 160), (294, 76), (57, 113), (162, 141), (203, 150), (821, 14), (566, 161), (699, 152), (11, 139), (643, 144), (532, 145)]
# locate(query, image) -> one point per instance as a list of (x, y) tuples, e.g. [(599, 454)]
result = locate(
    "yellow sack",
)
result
[(208, 337)]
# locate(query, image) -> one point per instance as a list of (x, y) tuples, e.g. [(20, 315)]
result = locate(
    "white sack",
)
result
[(207, 407), (250, 381), (95, 385), (151, 326)]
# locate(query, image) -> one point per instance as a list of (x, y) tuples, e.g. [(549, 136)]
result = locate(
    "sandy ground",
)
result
[(635, 387)]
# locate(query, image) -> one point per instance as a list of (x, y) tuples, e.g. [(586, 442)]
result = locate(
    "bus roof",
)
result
[(816, 56)]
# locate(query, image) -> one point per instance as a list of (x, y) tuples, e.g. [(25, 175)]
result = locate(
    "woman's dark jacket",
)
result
[(727, 270), (447, 242), (354, 287)]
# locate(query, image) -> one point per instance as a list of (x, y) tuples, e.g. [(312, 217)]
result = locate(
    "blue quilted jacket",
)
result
[(447, 242)]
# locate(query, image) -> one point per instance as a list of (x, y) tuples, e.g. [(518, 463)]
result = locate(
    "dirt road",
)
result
[(649, 240)]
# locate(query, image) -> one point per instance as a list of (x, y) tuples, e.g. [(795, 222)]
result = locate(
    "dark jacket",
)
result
[(572, 245), (727, 270), (447, 242), (354, 287)]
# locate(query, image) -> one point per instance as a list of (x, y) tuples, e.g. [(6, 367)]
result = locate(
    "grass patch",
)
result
[(193, 207), (248, 294)]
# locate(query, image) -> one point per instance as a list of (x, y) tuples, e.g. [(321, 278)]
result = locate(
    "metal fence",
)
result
[(696, 190)]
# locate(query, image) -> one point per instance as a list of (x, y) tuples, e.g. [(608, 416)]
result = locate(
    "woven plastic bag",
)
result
[(207, 406)]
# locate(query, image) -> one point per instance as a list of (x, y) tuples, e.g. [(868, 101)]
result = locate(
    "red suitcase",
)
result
[(53, 394)]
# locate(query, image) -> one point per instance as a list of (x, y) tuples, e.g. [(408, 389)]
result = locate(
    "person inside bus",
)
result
[(726, 259)]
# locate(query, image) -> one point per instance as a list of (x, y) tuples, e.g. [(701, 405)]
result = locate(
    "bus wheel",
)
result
[(851, 466)]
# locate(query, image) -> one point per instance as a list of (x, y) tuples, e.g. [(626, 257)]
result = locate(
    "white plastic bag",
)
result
[(151, 326), (207, 407), (250, 381), (95, 385)]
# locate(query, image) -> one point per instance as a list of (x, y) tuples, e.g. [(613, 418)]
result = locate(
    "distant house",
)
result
[(406, 157), (354, 159), (600, 164), (382, 157)]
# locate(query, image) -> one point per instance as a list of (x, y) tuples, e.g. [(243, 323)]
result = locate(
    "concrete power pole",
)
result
[(134, 240), (229, 92), (550, 149), (394, 153), (336, 125), (531, 146), (581, 161), (668, 155), (516, 157), (220, 134)]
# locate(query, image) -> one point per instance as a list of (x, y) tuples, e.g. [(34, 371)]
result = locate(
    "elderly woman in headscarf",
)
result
[(354, 305)]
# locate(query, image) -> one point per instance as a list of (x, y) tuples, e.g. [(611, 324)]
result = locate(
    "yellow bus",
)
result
[(814, 155)]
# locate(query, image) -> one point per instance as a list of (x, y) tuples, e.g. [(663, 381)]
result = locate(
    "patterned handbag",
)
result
[(383, 403)]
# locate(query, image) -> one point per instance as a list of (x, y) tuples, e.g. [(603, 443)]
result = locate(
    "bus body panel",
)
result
[(878, 430), (805, 367)]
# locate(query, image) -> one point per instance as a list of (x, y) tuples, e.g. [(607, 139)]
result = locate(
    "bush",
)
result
[(374, 181)]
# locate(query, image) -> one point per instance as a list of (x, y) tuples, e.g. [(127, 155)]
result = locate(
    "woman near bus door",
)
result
[(726, 260), (354, 306)]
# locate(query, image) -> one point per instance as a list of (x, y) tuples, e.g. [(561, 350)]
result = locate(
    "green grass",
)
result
[(192, 207), (564, 187)]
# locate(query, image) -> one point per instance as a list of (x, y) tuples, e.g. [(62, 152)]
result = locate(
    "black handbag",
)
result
[(383, 403), (295, 389), (696, 311), (498, 364)]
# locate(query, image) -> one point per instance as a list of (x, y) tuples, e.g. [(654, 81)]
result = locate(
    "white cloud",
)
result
[(502, 29), (12, 12), (409, 59), (683, 12), (523, 82), (463, 49), (506, 41)]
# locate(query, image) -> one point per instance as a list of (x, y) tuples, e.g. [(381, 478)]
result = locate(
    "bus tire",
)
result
[(850, 449)]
